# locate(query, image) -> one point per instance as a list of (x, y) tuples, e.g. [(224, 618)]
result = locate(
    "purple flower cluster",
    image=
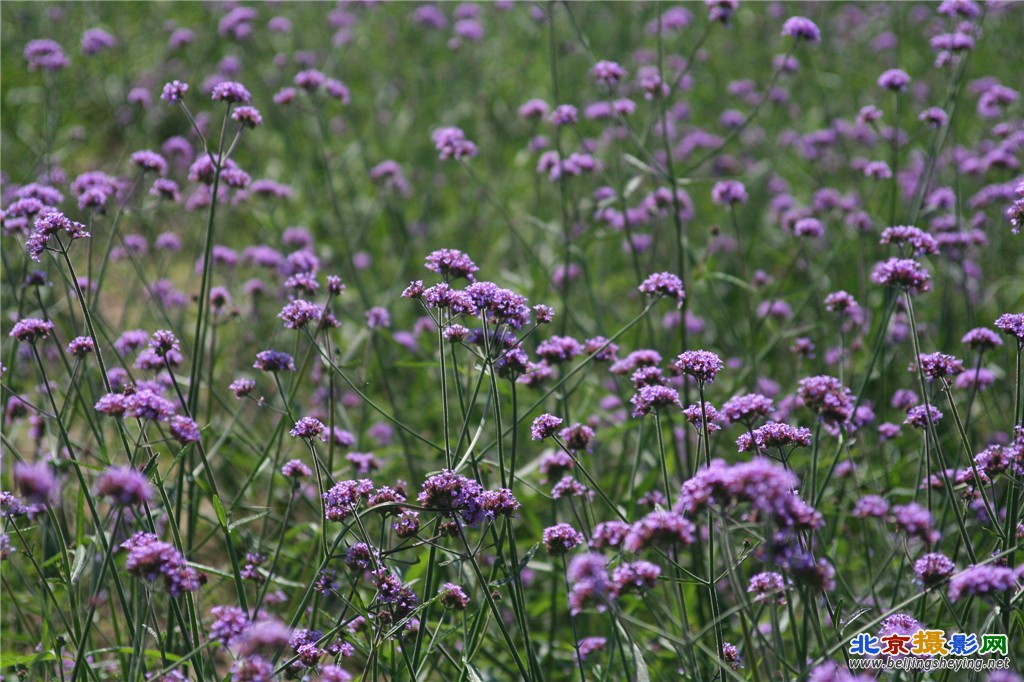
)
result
[(766, 487), (150, 558)]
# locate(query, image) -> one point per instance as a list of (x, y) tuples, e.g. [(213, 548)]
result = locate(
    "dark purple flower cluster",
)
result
[(980, 581), (150, 558), (937, 366), (664, 284), (125, 486), (701, 364), (451, 264), (774, 435), (827, 396), (902, 273), (767, 487), (49, 224), (747, 409), (653, 398)]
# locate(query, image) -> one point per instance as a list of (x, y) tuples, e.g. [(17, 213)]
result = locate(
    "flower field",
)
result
[(512, 341)]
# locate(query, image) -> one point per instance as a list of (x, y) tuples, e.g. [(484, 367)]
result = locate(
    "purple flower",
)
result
[(150, 161), (534, 108), (559, 349), (915, 521), (920, 242), (342, 498), (298, 313), (933, 569), (894, 79), (249, 117), (451, 142), (231, 92), (125, 486), (700, 364), (31, 329), (1012, 324), (767, 487), (746, 409), (660, 528), (544, 426), (871, 506), (590, 584), (729, 193), (174, 92), (80, 346), (937, 365), (274, 361), (978, 581), (828, 397), (801, 28), (721, 10), (561, 538), (242, 387), (184, 430), (378, 318), (45, 54), (775, 435), (296, 469), (36, 482), (230, 623), (919, 416), (768, 588), (608, 73), (449, 492), (451, 596), (361, 557), (150, 558), (563, 114), (308, 428), (145, 404), (664, 284), (636, 576), (655, 397)]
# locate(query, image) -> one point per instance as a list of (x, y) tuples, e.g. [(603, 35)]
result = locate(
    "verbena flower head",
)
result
[(746, 409), (341, 500), (174, 92), (981, 339), (31, 330), (561, 538), (768, 588), (774, 435), (309, 428), (248, 116), (701, 364), (451, 264), (894, 79), (981, 581), (653, 398), (36, 482), (298, 313), (635, 576), (231, 92), (920, 242), (124, 486), (452, 493), (45, 54), (274, 361), (721, 10), (801, 28), (451, 596), (827, 396), (664, 284), (296, 469), (184, 430), (150, 559), (80, 346), (920, 416), (660, 528), (544, 426), (451, 142), (1012, 324), (933, 569), (729, 193), (768, 489), (149, 160), (937, 366)]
